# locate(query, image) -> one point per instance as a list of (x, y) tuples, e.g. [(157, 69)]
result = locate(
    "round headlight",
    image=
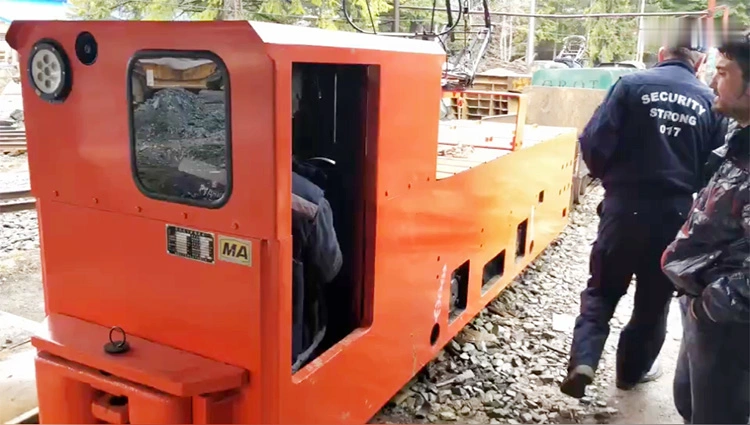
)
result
[(49, 71)]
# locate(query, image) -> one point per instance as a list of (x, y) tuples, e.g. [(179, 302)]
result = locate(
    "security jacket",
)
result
[(652, 134), (710, 257)]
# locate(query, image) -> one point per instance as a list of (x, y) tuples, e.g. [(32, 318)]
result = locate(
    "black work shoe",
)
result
[(575, 383), (652, 375)]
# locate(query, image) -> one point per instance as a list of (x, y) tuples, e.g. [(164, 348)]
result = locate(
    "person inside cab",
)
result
[(316, 261)]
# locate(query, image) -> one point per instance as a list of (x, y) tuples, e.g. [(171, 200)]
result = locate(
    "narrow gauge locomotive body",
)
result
[(166, 230)]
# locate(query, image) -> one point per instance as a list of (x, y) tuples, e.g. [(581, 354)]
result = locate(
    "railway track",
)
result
[(12, 139), (16, 201)]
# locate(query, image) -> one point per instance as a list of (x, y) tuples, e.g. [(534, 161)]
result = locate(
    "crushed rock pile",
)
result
[(177, 114), (13, 119), (176, 124), (507, 364)]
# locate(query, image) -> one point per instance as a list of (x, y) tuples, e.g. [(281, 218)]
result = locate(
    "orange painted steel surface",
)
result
[(155, 365), (72, 393), (103, 242)]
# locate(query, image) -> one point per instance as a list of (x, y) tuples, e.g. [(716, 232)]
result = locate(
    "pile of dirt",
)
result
[(174, 125), (492, 60), (177, 114)]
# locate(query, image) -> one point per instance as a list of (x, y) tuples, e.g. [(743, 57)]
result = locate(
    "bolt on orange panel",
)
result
[(258, 223)]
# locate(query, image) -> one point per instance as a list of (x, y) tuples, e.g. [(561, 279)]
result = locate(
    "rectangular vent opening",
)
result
[(521, 231), (459, 290), (493, 271)]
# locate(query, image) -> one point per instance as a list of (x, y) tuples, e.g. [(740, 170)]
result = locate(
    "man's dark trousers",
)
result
[(632, 235), (712, 379)]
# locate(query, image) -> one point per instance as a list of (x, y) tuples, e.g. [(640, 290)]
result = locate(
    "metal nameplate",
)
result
[(190, 244)]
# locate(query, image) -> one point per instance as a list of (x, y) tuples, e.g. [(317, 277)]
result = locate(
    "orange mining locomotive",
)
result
[(166, 229)]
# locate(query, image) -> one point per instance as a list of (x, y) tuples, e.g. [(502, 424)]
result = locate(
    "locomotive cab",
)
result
[(329, 141), (162, 154)]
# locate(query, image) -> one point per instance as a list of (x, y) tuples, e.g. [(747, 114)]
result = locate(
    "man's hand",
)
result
[(692, 309), (697, 311)]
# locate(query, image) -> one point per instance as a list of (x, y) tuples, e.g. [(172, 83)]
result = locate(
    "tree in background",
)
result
[(611, 39), (319, 13), (608, 39), (551, 32)]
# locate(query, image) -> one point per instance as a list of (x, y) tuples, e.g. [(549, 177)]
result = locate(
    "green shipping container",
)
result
[(584, 78)]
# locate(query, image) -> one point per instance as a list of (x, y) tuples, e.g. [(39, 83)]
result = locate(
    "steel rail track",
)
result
[(20, 145), (21, 200), (12, 139)]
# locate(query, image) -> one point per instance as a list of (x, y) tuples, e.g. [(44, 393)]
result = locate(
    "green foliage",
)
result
[(201, 10), (364, 13), (146, 9), (611, 39), (739, 9), (554, 30), (608, 39), (104, 9), (410, 20), (319, 13)]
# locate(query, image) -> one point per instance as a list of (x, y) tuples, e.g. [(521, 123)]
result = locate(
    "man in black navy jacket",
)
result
[(647, 142), (709, 262)]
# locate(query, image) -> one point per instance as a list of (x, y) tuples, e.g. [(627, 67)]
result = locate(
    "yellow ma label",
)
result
[(235, 251)]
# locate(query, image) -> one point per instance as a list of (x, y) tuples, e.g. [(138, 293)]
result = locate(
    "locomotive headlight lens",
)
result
[(49, 71), (46, 71)]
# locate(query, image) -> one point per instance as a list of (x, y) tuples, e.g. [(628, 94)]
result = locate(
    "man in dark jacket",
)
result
[(709, 262), (647, 142), (316, 260)]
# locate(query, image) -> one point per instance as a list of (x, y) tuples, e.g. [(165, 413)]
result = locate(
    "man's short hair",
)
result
[(684, 53), (737, 49), (683, 38)]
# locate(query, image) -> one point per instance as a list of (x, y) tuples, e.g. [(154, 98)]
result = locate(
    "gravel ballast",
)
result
[(507, 364)]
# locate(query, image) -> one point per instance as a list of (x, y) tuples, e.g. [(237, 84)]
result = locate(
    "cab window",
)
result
[(179, 127)]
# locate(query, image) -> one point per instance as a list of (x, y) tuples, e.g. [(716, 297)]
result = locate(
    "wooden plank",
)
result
[(448, 168), (30, 417), (562, 106), (449, 165), (19, 322), (448, 160)]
